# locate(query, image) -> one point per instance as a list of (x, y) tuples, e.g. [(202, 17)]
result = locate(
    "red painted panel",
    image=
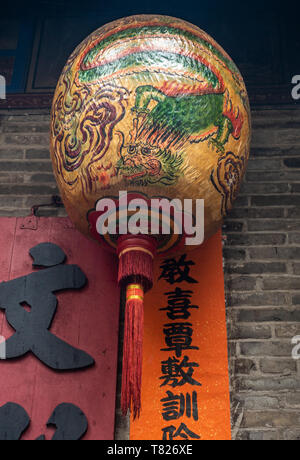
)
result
[(7, 234), (87, 319)]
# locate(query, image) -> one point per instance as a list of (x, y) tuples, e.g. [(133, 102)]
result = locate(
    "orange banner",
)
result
[(185, 388)]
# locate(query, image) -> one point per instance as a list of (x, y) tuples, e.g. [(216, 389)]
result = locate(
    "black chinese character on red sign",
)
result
[(170, 433), (70, 422), (179, 304), (176, 406), (174, 271), (30, 304), (174, 373), (178, 337)]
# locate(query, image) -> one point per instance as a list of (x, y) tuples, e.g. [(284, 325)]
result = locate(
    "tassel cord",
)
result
[(136, 274)]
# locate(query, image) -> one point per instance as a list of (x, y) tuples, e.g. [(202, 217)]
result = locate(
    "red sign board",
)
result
[(86, 319)]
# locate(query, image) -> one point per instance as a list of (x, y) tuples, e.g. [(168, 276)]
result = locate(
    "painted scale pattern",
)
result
[(150, 104)]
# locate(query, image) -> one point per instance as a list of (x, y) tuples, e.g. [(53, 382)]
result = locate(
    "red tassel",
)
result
[(136, 273), (136, 266), (132, 355)]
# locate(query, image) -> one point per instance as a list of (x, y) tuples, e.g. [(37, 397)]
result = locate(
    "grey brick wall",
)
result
[(261, 261), (262, 279), (26, 176)]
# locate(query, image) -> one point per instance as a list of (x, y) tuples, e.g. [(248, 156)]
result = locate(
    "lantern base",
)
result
[(136, 255)]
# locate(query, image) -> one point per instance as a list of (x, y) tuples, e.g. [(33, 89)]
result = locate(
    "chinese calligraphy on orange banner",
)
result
[(185, 390)]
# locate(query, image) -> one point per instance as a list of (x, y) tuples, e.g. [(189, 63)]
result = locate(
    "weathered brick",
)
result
[(24, 166), (231, 348), (263, 435), (14, 212), (275, 151), (277, 383), (247, 331), (31, 200), (26, 128), (232, 226), (296, 268), (241, 201), (11, 178), (287, 136), (296, 299), (250, 188), (28, 189), (257, 213), (287, 282), (242, 435), (27, 139), (256, 239), (292, 399), (289, 253), (244, 366), (269, 315), (258, 402), (232, 253), (275, 200), (43, 178), (295, 188), (241, 283), (264, 164), (257, 299), (293, 213), (256, 267), (37, 154), (294, 238), (272, 224), (38, 116), (51, 212), (266, 348), (273, 176), (275, 118), (287, 330), (259, 138), (292, 224), (292, 162), (12, 201), (276, 366), (293, 434), (270, 419), (11, 153)]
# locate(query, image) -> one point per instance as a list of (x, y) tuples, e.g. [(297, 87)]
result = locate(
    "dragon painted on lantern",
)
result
[(178, 97), (156, 147)]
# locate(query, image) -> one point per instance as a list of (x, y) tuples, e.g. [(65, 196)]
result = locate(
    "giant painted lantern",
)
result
[(154, 107)]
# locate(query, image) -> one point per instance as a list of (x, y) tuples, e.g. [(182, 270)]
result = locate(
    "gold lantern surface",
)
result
[(151, 105)]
